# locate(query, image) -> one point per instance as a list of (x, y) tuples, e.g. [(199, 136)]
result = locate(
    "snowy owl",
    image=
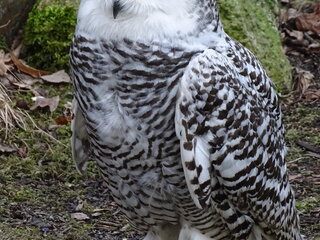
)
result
[(182, 121)]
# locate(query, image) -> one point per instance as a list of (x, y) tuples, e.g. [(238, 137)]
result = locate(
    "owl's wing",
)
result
[(232, 147), (79, 140)]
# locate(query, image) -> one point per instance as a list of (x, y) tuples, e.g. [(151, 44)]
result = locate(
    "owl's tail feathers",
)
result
[(79, 140)]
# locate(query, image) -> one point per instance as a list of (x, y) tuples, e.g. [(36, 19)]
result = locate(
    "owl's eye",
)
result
[(117, 7)]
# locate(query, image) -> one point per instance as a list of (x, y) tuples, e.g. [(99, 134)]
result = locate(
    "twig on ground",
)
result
[(44, 132), (297, 160), (6, 24), (310, 147), (9, 116)]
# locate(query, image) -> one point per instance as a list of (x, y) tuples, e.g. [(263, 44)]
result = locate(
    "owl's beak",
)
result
[(116, 8)]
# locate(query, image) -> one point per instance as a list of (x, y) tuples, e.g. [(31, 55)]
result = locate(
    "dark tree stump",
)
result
[(13, 14)]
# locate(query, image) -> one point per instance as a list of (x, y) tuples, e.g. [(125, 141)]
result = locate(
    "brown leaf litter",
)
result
[(22, 76), (9, 117), (310, 21), (300, 27), (80, 216), (15, 77), (309, 146), (3, 65), (300, 31)]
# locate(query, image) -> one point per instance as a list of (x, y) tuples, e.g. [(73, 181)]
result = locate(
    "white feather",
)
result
[(138, 18)]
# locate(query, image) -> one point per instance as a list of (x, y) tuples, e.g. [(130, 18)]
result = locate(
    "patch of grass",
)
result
[(308, 203), (302, 124), (39, 185), (41, 176), (46, 158), (9, 232)]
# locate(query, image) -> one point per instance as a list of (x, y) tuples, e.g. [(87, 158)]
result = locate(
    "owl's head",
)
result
[(144, 7), (141, 18), (136, 8)]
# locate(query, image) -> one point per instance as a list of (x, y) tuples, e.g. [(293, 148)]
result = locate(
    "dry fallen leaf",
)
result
[(310, 21), (42, 102), (314, 155), (3, 66), (292, 13), (79, 206), (23, 152), (295, 34), (9, 117), (57, 77), (294, 177), (315, 45), (110, 226), (100, 210), (312, 95), (303, 80), (7, 149), (309, 146), (97, 214), (64, 120), (80, 216), (27, 69)]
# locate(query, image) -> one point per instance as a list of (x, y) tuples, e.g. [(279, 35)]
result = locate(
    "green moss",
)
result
[(33, 233), (3, 44), (46, 158), (253, 23), (48, 34), (42, 3), (307, 203), (303, 125), (44, 179)]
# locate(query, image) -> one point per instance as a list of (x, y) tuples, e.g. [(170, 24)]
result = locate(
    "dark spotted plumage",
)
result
[(184, 125)]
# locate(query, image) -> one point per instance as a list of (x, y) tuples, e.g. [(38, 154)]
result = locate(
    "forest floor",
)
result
[(43, 197), (302, 111)]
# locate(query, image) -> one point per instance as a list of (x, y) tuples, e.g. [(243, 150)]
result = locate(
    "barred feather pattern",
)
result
[(187, 136), (247, 180), (139, 154)]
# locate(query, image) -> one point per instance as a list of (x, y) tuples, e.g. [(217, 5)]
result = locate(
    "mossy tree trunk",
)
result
[(254, 24), (13, 14)]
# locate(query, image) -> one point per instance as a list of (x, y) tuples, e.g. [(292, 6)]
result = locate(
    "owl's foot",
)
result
[(188, 233), (166, 232), (175, 232)]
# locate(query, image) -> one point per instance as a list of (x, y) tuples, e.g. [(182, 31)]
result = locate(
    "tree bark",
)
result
[(13, 14)]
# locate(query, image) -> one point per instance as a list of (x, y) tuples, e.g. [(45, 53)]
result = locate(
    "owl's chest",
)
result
[(128, 92)]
